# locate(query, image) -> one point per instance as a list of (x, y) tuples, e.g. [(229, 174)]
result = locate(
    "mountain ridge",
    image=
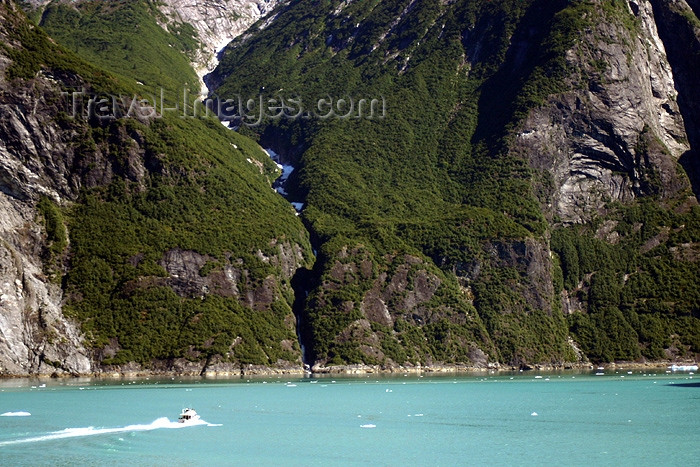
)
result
[(519, 203), (514, 64), (113, 242)]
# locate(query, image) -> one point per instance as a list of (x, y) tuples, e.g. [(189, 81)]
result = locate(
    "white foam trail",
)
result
[(162, 422), (15, 414)]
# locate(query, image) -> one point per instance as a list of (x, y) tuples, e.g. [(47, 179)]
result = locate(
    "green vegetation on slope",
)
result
[(436, 178), (171, 184), (124, 37), (432, 243), (638, 290), (204, 197), (423, 180), (56, 236)]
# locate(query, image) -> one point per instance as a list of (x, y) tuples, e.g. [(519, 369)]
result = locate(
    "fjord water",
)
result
[(521, 419)]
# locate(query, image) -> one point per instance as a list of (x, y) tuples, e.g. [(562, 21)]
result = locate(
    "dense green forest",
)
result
[(434, 234), (124, 37), (438, 178), (173, 184)]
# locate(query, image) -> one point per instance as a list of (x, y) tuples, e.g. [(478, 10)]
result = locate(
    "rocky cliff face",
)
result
[(49, 160), (567, 118), (35, 336), (620, 133), (524, 200), (679, 28), (217, 22)]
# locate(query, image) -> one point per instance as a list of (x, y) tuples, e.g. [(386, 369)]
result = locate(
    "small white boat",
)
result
[(188, 415)]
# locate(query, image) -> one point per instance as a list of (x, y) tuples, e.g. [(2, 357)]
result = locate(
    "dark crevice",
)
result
[(683, 52), (205, 366), (301, 284), (691, 164)]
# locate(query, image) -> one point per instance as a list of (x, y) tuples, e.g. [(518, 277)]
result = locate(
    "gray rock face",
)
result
[(604, 141), (216, 21), (35, 337), (230, 279), (39, 157), (683, 39)]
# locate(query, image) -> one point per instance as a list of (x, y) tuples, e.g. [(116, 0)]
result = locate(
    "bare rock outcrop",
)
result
[(35, 336), (191, 274), (217, 22), (619, 133), (39, 158)]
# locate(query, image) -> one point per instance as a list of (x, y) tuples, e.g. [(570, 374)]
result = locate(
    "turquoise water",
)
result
[(522, 419)]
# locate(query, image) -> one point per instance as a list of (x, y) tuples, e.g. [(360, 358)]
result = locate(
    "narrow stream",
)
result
[(279, 184), (300, 280)]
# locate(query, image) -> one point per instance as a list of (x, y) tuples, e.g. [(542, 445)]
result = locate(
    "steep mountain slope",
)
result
[(678, 26), (217, 22), (131, 236), (483, 182), (126, 38), (522, 188), (149, 41)]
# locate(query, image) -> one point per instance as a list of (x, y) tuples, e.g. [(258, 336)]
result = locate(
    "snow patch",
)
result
[(286, 171)]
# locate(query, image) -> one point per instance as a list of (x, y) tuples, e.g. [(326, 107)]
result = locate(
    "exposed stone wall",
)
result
[(621, 126)]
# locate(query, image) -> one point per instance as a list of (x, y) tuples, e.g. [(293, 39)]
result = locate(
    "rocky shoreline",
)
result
[(233, 371)]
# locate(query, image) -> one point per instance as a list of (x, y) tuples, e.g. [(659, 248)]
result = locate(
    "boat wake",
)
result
[(160, 423)]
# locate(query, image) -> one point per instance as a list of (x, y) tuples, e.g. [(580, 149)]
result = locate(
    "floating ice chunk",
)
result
[(15, 414), (675, 367), (369, 425), (534, 414)]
